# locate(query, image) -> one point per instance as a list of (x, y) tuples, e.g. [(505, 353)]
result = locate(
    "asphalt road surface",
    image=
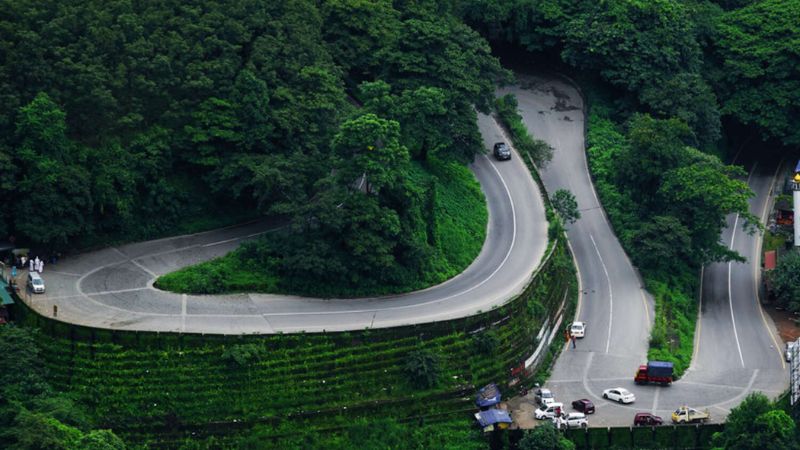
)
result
[(112, 288), (730, 361)]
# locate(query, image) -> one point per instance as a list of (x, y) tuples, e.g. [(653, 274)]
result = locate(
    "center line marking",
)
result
[(610, 293), (730, 295)]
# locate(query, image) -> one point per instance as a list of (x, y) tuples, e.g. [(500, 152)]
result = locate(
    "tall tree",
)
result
[(54, 193), (757, 74)]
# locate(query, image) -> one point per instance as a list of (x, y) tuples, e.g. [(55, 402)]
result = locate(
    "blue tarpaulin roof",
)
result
[(493, 416), (487, 396)]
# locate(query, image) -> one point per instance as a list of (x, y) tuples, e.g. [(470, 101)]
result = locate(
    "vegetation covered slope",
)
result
[(163, 388), (126, 117)]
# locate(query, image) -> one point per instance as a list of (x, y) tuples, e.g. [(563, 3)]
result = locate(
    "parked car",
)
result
[(502, 151), (578, 329), (619, 394), (571, 420), (685, 414), (548, 411), (787, 353), (644, 419), (35, 283), (544, 396), (584, 405)]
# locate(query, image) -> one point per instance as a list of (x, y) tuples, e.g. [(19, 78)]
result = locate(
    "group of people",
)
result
[(34, 265)]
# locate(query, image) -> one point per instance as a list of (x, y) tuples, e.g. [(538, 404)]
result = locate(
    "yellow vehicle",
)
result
[(685, 414)]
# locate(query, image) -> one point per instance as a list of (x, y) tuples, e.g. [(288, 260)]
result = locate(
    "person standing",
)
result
[(41, 266), (32, 265), (573, 341)]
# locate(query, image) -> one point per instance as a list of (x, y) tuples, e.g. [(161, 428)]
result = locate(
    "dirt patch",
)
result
[(788, 323)]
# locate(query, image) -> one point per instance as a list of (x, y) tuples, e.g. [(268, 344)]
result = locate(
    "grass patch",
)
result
[(457, 233), (774, 241)]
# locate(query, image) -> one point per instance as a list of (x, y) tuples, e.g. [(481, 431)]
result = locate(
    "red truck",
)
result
[(654, 372)]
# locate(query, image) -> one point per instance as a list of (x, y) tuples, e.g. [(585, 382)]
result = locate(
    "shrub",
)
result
[(423, 367)]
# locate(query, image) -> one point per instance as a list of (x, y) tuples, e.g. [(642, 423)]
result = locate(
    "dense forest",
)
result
[(122, 119), (130, 119)]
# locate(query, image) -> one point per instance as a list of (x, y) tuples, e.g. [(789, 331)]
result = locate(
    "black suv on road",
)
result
[(502, 151)]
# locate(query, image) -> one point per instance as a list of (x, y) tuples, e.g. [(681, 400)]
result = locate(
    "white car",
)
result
[(578, 329), (571, 420), (619, 394), (544, 396), (548, 411)]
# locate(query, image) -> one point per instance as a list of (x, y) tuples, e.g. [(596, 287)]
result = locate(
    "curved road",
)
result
[(736, 350), (112, 288), (619, 312)]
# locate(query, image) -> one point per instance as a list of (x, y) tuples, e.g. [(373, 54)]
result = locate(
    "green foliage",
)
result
[(129, 119), (672, 336), (242, 355), (545, 437), (564, 203), (785, 280), (423, 367), (757, 74), (757, 421), (32, 414), (486, 342), (449, 228)]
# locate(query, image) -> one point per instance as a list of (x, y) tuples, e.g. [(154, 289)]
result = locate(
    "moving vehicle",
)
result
[(502, 151), (685, 414), (654, 372), (571, 420), (578, 329), (644, 419), (544, 397), (36, 283), (619, 394), (548, 411), (584, 405)]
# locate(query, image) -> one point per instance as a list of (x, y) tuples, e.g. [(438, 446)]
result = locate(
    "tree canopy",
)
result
[(114, 111)]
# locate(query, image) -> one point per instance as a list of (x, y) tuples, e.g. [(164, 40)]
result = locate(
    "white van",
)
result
[(549, 411), (35, 283)]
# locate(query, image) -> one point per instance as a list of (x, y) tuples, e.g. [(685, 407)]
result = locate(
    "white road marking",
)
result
[(119, 291), (655, 400), (183, 312), (730, 264), (610, 293), (139, 265), (730, 297), (69, 274), (221, 242)]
